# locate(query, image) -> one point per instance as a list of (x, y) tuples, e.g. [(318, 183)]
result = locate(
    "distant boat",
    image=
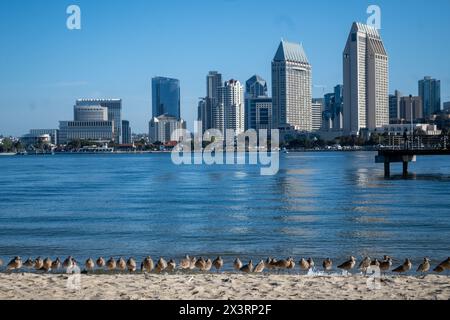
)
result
[(8, 154)]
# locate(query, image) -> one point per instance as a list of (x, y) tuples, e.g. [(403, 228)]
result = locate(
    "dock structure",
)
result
[(405, 156)]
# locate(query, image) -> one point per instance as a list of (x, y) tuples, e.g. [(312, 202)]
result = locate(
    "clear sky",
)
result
[(44, 67)]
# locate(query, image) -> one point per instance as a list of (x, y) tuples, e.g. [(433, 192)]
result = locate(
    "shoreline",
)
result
[(224, 286)]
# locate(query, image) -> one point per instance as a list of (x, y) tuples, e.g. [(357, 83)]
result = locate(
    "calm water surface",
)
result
[(319, 205)]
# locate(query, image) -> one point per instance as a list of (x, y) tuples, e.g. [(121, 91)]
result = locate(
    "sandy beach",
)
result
[(23, 286)]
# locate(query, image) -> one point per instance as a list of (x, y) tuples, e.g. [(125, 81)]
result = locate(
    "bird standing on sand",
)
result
[(101, 262), (348, 265), (404, 268), (28, 264), (291, 265), (304, 265), (69, 263), (208, 265), (147, 265), (47, 265), (56, 265), (90, 264), (327, 265), (38, 263), (171, 265), (161, 265), (193, 262), (185, 263), (111, 264), (270, 263), (14, 264), (365, 264), (260, 267), (282, 264), (218, 263), (248, 268), (237, 264), (445, 264), (121, 264), (425, 266), (311, 263), (131, 265), (386, 264), (201, 264), (375, 263)]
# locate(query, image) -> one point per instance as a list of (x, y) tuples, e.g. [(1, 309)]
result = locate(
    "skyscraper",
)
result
[(166, 97), (213, 83), (366, 80), (291, 88), (230, 111), (430, 92), (255, 89), (126, 132), (317, 111), (114, 107), (394, 106)]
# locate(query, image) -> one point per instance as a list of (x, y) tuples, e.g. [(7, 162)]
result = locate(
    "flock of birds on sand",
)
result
[(202, 265)]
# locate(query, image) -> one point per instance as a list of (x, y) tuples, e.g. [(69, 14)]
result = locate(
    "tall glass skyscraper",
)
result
[(166, 97), (255, 89), (430, 92)]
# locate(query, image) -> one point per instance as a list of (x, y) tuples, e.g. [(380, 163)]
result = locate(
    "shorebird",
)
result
[(439, 269), (161, 265), (69, 263), (291, 265), (218, 263), (311, 263), (171, 266), (185, 263), (425, 266), (193, 262), (121, 264), (270, 263), (208, 265), (101, 262), (365, 264), (404, 268), (28, 264), (56, 265), (375, 263), (201, 264), (386, 264), (90, 264), (47, 265), (147, 265), (260, 267), (304, 265), (237, 264), (111, 264), (248, 268), (38, 263), (348, 265), (327, 265), (131, 265), (445, 264), (14, 264), (282, 264)]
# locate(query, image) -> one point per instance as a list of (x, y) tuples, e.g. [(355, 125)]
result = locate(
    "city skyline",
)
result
[(31, 90)]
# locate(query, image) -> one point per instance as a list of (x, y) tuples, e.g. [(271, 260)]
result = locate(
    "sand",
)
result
[(219, 287)]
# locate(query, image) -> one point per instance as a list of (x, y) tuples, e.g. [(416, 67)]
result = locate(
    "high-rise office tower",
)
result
[(166, 97), (291, 88), (394, 106), (366, 80), (317, 112), (430, 92), (411, 108), (114, 107), (126, 132), (255, 89), (230, 110), (213, 83)]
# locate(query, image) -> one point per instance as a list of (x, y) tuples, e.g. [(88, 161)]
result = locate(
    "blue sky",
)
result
[(44, 67)]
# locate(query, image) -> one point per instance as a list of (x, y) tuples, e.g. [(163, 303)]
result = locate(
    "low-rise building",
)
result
[(163, 127), (98, 131)]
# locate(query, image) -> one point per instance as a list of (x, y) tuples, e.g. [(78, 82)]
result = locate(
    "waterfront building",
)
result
[(316, 112), (230, 110), (394, 106), (447, 107), (211, 101), (52, 133), (161, 129), (34, 139), (411, 106), (255, 88), (96, 131), (126, 132), (260, 113), (332, 109), (430, 92), (114, 107), (166, 97), (400, 129), (366, 80), (291, 88)]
